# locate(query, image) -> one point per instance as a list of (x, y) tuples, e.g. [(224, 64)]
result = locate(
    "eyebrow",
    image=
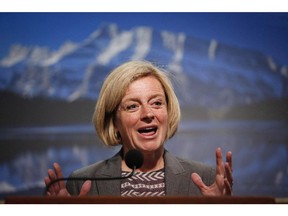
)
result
[(150, 98)]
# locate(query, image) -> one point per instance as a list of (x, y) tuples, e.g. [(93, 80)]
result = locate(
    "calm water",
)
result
[(260, 153)]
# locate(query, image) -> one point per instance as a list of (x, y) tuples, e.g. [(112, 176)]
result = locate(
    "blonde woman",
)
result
[(138, 109)]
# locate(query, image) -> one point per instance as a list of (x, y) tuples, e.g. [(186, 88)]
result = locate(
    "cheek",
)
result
[(123, 123), (163, 119)]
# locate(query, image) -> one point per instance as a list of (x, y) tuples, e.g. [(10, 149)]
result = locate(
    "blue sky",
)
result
[(265, 32)]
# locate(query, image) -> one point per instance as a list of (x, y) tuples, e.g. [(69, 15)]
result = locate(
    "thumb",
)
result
[(85, 188), (197, 180)]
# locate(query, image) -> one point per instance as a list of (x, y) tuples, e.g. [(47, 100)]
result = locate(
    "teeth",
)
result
[(147, 130)]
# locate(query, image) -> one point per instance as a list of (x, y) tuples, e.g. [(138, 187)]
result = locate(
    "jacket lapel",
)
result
[(174, 177), (111, 169)]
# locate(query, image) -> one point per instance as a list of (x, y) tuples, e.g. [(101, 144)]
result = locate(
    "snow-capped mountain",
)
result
[(205, 73)]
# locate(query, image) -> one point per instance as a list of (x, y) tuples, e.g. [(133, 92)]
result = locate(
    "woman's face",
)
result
[(142, 118)]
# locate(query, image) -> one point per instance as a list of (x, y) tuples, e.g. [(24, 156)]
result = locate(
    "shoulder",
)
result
[(180, 170), (195, 166), (103, 167), (178, 164), (88, 170)]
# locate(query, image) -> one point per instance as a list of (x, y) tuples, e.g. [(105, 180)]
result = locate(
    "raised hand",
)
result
[(223, 180), (59, 188)]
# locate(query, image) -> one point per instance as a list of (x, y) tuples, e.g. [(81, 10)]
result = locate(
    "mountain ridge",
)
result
[(204, 73)]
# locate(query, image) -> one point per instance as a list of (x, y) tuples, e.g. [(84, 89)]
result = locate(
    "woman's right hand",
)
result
[(59, 187)]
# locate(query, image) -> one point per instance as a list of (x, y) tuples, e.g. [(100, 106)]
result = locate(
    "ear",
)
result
[(118, 135)]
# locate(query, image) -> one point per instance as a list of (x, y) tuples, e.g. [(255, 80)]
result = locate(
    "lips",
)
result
[(148, 131)]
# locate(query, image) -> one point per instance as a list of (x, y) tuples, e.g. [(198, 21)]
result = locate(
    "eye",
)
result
[(132, 107), (157, 104)]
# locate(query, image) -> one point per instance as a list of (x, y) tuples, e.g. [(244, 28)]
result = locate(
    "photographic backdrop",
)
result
[(229, 71)]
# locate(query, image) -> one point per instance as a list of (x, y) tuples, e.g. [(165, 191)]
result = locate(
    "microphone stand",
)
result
[(88, 178)]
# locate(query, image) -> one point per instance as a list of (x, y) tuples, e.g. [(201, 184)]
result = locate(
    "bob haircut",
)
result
[(114, 89)]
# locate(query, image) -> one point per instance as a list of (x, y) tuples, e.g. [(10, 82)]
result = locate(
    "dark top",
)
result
[(177, 176)]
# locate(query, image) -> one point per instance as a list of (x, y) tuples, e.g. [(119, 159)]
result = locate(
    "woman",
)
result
[(138, 109)]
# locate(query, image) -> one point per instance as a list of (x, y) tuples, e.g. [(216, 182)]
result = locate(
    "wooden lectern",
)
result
[(139, 200)]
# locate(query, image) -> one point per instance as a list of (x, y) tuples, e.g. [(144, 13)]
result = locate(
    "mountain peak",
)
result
[(205, 73)]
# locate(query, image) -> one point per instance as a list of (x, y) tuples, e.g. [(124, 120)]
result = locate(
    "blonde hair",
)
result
[(114, 89)]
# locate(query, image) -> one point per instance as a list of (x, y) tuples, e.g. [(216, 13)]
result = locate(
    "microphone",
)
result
[(133, 159)]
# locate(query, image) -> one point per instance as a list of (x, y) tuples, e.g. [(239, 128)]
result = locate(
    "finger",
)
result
[(229, 174), (219, 163), (52, 176), (228, 188), (47, 181), (198, 181), (229, 159), (63, 192), (59, 174), (219, 179), (85, 188), (221, 185)]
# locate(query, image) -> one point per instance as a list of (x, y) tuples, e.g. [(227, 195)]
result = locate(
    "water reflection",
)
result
[(260, 153)]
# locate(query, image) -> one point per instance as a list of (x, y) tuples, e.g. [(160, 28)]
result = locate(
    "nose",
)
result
[(147, 112)]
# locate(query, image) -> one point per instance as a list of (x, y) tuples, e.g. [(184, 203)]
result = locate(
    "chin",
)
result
[(151, 148)]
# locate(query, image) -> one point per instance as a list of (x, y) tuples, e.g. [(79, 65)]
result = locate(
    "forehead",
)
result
[(144, 86)]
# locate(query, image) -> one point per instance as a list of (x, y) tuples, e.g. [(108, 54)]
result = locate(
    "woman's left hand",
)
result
[(223, 181)]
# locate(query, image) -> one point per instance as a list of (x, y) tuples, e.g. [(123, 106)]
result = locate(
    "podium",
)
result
[(139, 200)]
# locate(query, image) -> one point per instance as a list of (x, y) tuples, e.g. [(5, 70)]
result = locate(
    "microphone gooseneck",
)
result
[(133, 159)]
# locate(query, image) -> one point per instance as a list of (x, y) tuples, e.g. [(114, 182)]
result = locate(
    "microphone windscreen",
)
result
[(134, 159)]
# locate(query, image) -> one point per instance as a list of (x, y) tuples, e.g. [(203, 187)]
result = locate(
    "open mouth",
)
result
[(148, 130)]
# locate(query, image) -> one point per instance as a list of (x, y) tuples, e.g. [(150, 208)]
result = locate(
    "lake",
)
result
[(260, 153)]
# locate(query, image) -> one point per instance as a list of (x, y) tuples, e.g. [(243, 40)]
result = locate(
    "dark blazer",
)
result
[(177, 176)]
